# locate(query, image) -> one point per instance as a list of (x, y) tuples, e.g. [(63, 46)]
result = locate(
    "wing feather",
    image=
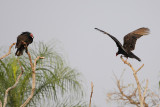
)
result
[(131, 38), (119, 45)]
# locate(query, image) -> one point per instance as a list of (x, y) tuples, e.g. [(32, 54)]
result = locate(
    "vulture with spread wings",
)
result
[(129, 42)]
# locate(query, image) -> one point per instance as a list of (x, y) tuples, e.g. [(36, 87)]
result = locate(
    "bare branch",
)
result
[(139, 68), (33, 78), (30, 59), (145, 90), (129, 97), (9, 52), (20, 65), (36, 61), (128, 64), (6, 93), (0, 103), (136, 78), (91, 93)]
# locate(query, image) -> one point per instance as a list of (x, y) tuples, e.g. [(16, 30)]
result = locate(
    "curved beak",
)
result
[(31, 35)]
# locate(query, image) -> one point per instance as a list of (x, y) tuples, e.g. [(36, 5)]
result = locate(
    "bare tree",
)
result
[(128, 94)]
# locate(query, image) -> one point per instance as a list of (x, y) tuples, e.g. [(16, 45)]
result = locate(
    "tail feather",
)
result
[(138, 58), (19, 52), (134, 56)]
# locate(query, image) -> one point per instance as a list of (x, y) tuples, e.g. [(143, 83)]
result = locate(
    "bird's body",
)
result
[(23, 40), (129, 42)]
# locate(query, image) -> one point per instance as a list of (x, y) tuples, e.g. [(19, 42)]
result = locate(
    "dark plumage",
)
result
[(129, 42), (22, 39)]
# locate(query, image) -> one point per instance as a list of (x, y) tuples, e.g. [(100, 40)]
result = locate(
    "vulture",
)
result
[(23, 40), (129, 42)]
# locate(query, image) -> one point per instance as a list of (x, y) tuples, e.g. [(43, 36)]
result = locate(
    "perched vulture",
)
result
[(129, 42), (23, 40)]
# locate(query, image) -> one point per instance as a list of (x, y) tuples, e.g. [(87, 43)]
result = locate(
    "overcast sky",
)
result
[(92, 53)]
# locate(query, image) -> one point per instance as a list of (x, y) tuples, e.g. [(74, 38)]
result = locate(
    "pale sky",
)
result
[(92, 53)]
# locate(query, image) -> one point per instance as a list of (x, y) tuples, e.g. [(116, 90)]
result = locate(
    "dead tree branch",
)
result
[(91, 93), (6, 93), (137, 81), (33, 67), (128, 97), (139, 68), (0, 103), (9, 52), (127, 94), (145, 90)]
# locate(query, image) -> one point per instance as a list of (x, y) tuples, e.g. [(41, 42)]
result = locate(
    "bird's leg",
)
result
[(125, 62)]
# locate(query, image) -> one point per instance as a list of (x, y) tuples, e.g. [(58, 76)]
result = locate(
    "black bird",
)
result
[(129, 42), (23, 40)]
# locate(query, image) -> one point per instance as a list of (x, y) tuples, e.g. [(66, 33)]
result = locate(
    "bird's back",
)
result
[(131, 38), (25, 38)]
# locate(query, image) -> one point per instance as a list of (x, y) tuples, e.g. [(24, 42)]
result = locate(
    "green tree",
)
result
[(56, 82)]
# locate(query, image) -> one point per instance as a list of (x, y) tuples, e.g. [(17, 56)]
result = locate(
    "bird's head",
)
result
[(31, 35), (28, 33), (117, 53)]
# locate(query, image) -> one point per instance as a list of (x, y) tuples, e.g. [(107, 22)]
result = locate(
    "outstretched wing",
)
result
[(119, 45), (131, 38)]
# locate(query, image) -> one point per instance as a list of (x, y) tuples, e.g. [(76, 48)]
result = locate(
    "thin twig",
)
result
[(33, 78), (30, 59), (139, 68), (128, 97), (139, 89), (0, 103), (9, 52), (145, 90), (20, 65), (136, 78), (91, 94), (6, 93)]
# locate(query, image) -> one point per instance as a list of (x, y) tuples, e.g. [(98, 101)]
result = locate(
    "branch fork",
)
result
[(33, 66), (141, 98)]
